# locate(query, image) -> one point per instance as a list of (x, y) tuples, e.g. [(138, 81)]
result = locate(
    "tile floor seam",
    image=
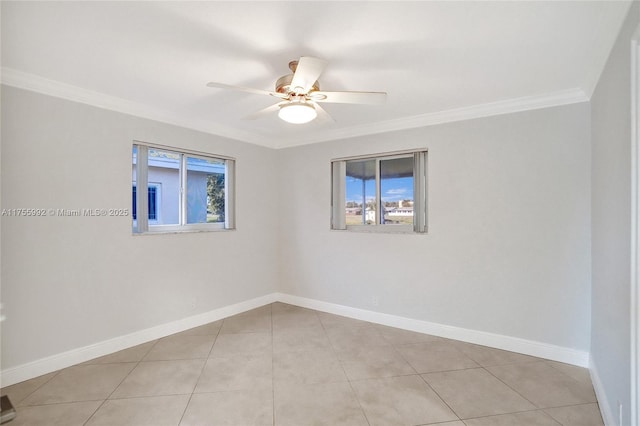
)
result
[(477, 364), (195, 383), (47, 404), (510, 387), (147, 352), (554, 419), (570, 405), (537, 410), (549, 415), (364, 413), (464, 354), (502, 364), (573, 379), (173, 359), (440, 396), (114, 389), (385, 377), (124, 398), (335, 352), (195, 386), (355, 395), (558, 372), (344, 371), (15, 403), (452, 370), (405, 359)]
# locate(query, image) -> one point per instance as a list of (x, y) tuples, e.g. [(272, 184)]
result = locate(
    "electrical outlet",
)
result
[(194, 303), (375, 301)]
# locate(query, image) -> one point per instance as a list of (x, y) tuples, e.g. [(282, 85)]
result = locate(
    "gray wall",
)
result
[(508, 248), (68, 282), (611, 224)]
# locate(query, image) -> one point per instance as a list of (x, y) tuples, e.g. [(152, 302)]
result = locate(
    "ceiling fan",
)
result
[(300, 93)]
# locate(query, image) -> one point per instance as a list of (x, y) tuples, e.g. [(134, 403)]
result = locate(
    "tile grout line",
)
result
[(335, 353), (424, 380), (471, 368), (550, 364), (121, 381), (440, 397), (568, 406), (15, 403), (184, 411), (535, 410), (507, 385)]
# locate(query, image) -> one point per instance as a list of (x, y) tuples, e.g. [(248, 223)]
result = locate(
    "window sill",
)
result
[(378, 229), (182, 231)]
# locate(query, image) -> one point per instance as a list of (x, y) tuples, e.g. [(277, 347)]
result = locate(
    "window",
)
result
[(384, 193), (152, 202), (184, 191)]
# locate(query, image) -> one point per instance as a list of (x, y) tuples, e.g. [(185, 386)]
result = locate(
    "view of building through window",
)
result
[(152, 201), (183, 189)]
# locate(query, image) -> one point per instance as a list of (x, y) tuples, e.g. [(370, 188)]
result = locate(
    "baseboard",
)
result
[(606, 411), (513, 344), (66, 359)]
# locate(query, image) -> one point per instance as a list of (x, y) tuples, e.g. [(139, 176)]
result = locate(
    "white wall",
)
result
[(508, 248), (611, 229), (69, 282)]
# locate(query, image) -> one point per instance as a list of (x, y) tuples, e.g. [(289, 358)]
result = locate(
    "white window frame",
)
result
[(338, 194), (142, 225)]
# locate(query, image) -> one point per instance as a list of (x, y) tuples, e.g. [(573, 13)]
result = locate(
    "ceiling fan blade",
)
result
[(264, 112), (371, 98), (307, 72), (246, 89), (322, 114)]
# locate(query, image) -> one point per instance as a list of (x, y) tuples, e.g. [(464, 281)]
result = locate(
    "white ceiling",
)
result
[(438, 61)]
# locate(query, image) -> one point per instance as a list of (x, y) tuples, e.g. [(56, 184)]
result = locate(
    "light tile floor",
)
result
[(285, 365)]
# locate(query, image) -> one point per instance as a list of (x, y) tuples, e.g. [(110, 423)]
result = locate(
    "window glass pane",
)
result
[(360, 194), (396, 190), (133, 208), (153, 203), (164, 175), (205, 190)]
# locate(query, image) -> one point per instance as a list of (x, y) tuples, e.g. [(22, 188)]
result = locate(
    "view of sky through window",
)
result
[(396, 191)]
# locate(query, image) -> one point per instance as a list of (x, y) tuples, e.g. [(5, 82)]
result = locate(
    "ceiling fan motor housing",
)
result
[(283, 85)]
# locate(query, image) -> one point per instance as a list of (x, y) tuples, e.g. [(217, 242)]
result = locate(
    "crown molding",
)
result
[(35, 83), (527, 103), (26, 81)]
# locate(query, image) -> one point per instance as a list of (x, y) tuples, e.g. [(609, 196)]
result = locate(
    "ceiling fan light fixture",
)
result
[(299, 94), (297, 112)]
